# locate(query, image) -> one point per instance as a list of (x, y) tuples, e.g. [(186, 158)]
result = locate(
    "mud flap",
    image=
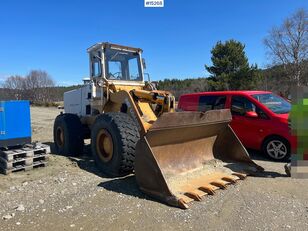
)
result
[(186, 155)]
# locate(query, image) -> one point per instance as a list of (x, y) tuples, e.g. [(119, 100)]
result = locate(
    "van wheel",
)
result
[(276, 148)]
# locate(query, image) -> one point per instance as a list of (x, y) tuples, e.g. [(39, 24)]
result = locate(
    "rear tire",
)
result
[(114, 137), (276, 148), (68, 135)]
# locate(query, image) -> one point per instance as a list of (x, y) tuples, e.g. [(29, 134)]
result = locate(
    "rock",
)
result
[(68, 207), (41, 201), (59, 179), (20, 208), (18, 223), (72, 225), (74, 184), (25, 183), (7, 217)]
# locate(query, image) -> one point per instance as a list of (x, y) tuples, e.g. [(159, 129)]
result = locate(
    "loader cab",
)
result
[(116, 64)]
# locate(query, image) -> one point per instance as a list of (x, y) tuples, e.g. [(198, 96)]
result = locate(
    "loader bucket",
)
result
[(186, 155)]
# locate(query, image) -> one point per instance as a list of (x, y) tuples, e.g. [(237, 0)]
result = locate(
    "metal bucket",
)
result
[(186, 155)]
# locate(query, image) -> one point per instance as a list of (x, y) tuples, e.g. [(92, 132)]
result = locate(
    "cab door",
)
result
[(250, 130)]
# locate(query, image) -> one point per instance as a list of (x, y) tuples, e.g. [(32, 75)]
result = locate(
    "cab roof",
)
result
[(112, 45)]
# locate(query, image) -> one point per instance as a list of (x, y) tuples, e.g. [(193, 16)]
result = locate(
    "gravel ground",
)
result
[(70, 194)]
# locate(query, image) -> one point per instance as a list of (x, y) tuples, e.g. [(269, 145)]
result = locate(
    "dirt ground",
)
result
[(70, 194)]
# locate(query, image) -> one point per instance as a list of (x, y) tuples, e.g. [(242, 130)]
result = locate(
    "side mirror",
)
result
[(148, 76), (251, 114), (144, 64)]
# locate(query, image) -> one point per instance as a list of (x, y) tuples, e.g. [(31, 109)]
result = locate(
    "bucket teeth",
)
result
[(220, 183), (242, 176), (206, 185), (182, 204), (230, 179), (193, 195), (208, 189)]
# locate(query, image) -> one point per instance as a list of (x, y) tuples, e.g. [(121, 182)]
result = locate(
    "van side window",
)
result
[(211, 102), (240, 105)]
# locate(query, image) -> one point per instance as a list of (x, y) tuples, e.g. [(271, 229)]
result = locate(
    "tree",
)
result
[(37, 86), (15, 86), (230, 69), (288, 46)]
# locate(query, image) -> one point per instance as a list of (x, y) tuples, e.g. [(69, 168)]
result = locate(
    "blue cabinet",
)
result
[(15, 123)]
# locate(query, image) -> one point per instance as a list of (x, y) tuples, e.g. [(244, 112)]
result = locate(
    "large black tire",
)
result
[(68, 135), (276, 148), (121, 132)]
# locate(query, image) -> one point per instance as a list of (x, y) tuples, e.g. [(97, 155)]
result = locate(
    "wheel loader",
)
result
[(177, 157)]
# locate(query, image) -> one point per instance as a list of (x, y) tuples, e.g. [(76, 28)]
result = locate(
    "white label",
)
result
[(153, 3)]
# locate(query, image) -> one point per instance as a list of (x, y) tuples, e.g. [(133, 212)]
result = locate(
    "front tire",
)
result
[(277, 148), (68, 135), (114, 137)]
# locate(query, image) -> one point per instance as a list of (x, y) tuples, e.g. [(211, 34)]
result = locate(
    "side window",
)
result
[(211, 102), (133, 69), (240, 105), (96, 65), (96, 68)]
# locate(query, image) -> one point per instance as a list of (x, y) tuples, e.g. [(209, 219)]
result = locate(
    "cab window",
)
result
[(122, 65), (211, 102)]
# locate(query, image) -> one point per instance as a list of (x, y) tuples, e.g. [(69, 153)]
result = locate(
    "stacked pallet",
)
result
[(25, 158)]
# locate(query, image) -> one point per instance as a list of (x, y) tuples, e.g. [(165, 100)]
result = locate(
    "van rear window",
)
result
[(211, 102)]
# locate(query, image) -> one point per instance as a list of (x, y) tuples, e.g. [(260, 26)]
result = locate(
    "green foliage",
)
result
[(178, 87), (230, 69)]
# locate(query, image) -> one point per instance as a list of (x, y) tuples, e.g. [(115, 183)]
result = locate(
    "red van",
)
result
[(260, 118)]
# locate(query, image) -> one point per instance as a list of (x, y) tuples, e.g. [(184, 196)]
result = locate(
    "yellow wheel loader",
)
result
[(177, 157)]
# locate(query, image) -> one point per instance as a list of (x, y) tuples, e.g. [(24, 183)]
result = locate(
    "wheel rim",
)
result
[(60, 136), (276, 149), (104, 145)]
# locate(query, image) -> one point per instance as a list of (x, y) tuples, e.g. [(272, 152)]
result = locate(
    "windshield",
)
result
[(123, 65), (275, 103)]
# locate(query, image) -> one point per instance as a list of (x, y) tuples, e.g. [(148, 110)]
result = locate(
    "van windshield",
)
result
[(275, 103)]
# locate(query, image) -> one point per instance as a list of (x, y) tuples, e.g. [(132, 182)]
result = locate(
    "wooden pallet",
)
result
[(28, 150), (22, 161), (24, 168), (24, 158)]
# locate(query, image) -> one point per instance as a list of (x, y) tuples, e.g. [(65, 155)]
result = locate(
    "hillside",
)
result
[(271, 79)]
